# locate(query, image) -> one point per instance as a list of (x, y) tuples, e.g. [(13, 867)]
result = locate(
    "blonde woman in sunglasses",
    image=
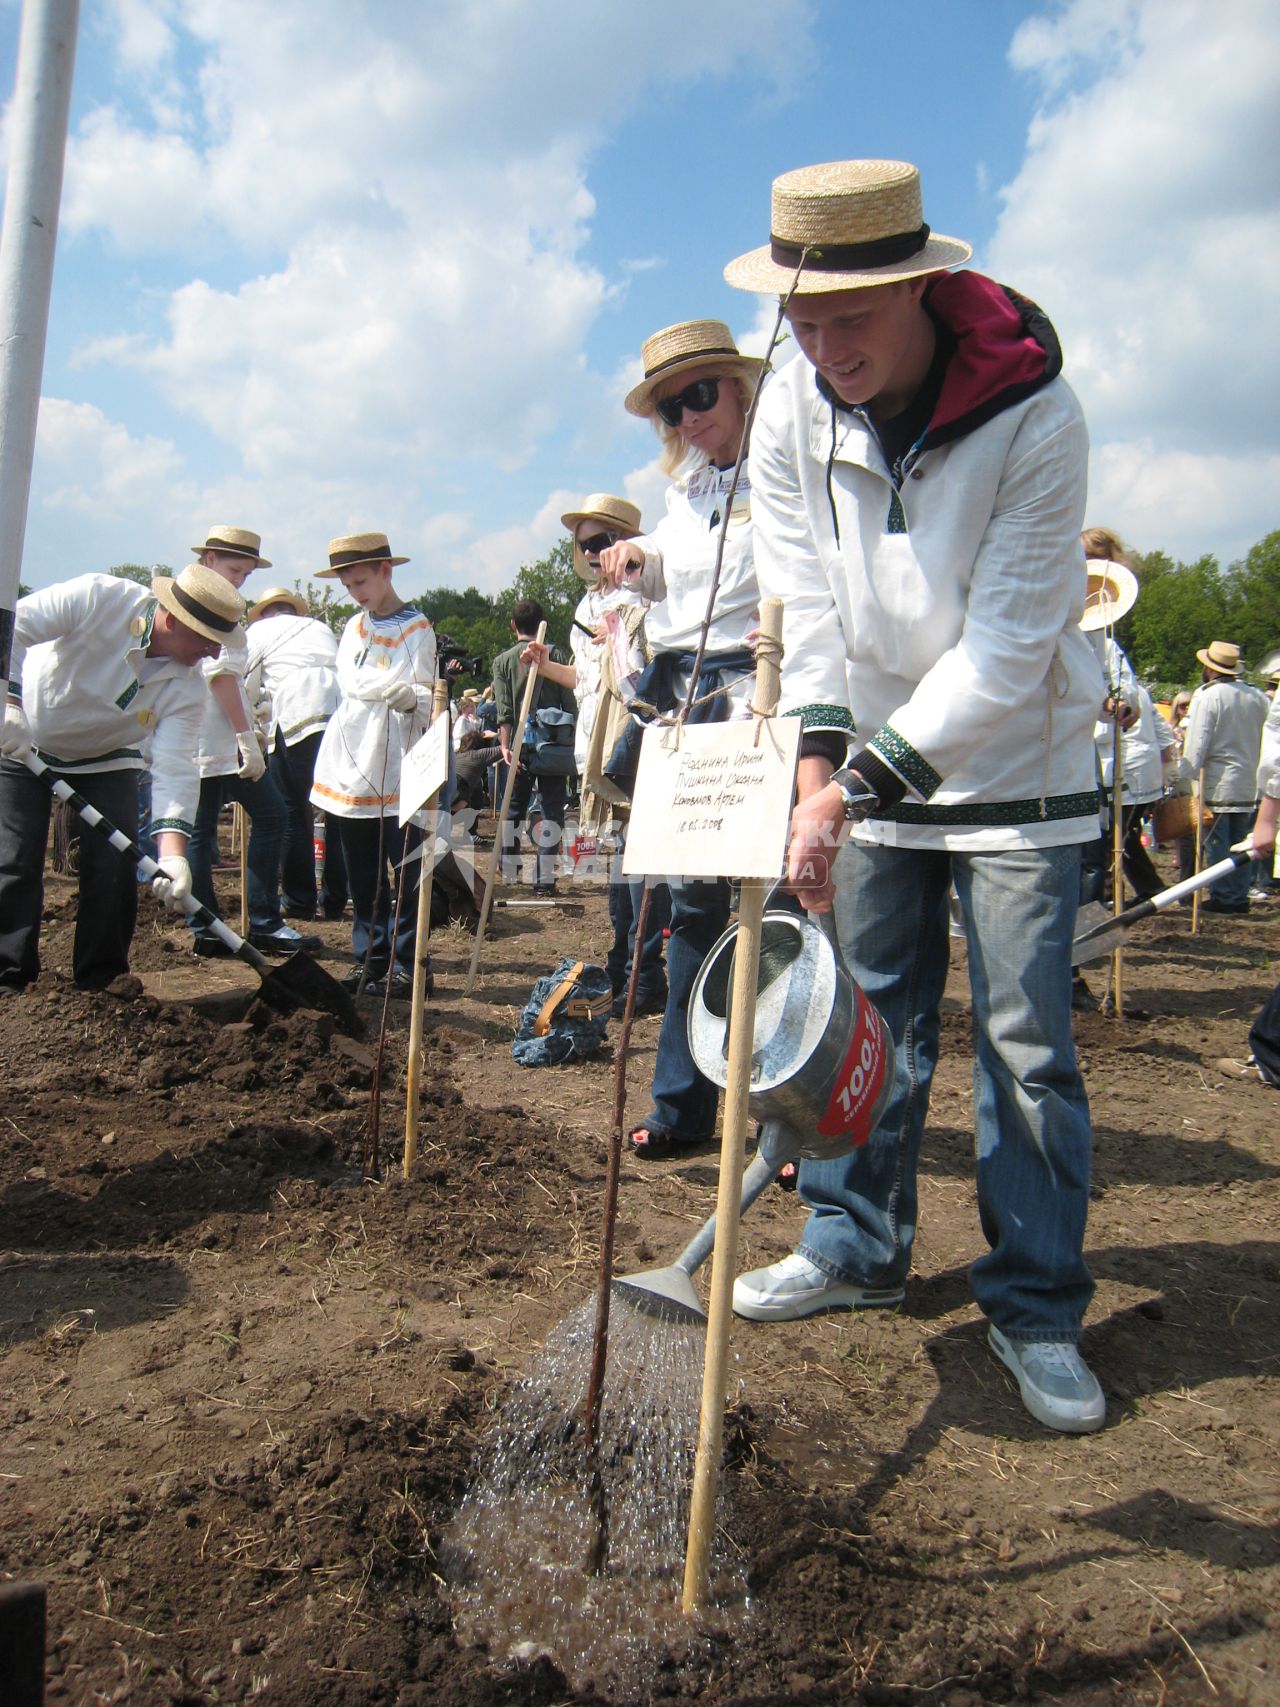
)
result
[(697, 391)]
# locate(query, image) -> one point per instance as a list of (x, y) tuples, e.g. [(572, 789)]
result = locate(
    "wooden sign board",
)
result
[(713, 801), (424, 768)]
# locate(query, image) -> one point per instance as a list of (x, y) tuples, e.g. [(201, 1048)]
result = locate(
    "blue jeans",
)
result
[(683, 1099), (292, 768), (1031, 1117), (1229, 828), (107, 905), (624, 910), (370, 846), (266, 837)]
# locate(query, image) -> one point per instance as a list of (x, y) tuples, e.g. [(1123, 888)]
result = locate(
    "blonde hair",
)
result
[(1102, 543), (676, 451)]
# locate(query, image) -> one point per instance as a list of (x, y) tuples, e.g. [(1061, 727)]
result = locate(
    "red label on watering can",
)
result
[(850, 1111)]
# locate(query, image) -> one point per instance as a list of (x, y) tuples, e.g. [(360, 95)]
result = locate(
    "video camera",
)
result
[(454, 661)]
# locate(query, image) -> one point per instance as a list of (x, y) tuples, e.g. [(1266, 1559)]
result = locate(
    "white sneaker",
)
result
[(794, 1287), (1056, 1384)]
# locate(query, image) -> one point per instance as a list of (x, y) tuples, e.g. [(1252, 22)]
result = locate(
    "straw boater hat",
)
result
[(862, 223), (692, 343), (470, 695), (239, 542), (1111, 591), (201, 599), (349, 550), (615, 514), (1222, 657), (278, 596)]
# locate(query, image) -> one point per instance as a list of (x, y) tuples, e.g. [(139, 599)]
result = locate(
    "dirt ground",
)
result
[(243, 1385)]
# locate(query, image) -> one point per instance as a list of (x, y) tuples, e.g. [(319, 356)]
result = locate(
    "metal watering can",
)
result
[(821, 1062), (821, 1070)]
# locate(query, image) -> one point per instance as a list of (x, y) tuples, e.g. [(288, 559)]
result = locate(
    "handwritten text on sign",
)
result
[(716, 803), (424, 769)]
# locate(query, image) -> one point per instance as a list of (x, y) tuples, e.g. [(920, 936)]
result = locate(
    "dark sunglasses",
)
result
[(597, 543), (702, 395)]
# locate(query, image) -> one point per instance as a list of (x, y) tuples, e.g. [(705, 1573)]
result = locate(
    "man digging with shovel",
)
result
[(918, 482), (115, 664)]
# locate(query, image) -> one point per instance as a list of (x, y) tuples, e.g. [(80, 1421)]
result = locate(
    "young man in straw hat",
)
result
[(233, 768), (292, 683), (1223, 738), (918, 482), (386, 672), (111, 674)]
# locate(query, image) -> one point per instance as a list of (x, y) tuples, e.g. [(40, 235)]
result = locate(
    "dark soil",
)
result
[(247, 1367)]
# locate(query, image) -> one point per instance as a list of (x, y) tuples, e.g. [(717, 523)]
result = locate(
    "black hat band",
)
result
[(200, 612), (694, 356), (844, 257), (346, 559)]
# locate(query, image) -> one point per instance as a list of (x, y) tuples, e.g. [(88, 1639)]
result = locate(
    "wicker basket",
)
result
[(1175, 817)]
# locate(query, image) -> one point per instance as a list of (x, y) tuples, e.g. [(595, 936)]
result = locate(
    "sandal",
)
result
[(788, 1175), (659, 1141)]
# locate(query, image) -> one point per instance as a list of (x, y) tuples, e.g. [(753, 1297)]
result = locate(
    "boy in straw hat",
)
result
[(292, 683), (1223, 738), (113, 673), (233, 768), (918, 482), (386, 673)]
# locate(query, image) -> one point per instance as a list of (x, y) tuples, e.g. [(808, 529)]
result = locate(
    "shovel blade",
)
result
[(666, 1293), (299, 982), (1093, 917)]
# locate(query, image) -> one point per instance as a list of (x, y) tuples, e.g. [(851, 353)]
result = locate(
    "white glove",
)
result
[(400, 696), (172, 882), (15, 737), (252, 764)]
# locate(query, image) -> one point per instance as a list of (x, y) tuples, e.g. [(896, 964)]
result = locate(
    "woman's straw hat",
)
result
[(470, 695), (616, 514), (239, 542), (862, 222), (1222, 657), (201, 599), (690, 344), (349, 550), (278, 596), (1111, 591)]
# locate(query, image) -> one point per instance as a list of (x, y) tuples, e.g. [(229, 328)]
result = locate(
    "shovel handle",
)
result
[(145, 864)]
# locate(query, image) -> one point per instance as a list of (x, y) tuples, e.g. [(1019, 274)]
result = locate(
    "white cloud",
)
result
[(1168, 496), (92, 464), (1146, 220)]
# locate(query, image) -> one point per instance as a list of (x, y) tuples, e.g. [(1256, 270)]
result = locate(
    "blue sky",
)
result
[(327, 265)]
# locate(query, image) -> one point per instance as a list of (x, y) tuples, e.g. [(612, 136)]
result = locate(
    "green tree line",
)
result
[(1180, 609)]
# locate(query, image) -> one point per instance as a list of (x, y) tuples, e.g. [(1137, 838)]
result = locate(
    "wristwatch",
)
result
[(859, 800)]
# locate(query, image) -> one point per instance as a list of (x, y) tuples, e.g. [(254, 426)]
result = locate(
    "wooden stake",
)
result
[(1117, 860), (239, 824), (733, 1134), (1195, 899), (531, 682), (426, 872)]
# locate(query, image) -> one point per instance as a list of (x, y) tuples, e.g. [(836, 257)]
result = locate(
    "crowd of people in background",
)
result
[(914, 492)]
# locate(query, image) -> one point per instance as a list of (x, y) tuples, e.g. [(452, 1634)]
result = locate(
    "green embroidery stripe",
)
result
[(57, 764), (15, 690), (992, 814), (127, 697), (824, 717), (172, 824), (890, 746)]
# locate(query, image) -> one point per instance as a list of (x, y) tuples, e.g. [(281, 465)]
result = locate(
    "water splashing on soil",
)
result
[(519, 1553)]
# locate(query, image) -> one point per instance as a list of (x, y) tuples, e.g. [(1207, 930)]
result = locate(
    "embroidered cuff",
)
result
[(179, 824), (828, 717), (901, 756)]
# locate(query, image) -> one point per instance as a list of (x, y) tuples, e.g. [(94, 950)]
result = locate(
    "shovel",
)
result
[(294, 983), (668, 1293), (1107, 931)]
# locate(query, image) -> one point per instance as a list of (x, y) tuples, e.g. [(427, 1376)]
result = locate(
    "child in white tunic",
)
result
[(386, 672)]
